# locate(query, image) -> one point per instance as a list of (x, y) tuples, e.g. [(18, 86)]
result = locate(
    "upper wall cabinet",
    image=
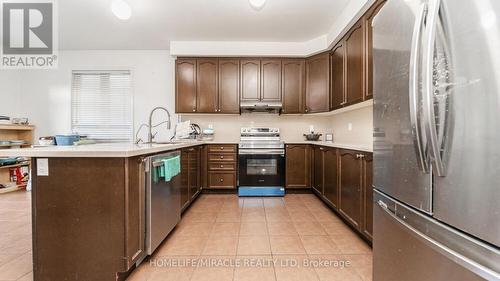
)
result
[(229, 86), (318, 83), (261, 80), (185, 83), (337, 70), (250, 80), (355, 71), (368, 19), (271, 80), (293, 86), (207, 85)]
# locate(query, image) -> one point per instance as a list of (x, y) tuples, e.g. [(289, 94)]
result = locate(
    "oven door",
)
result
[(261, 168)]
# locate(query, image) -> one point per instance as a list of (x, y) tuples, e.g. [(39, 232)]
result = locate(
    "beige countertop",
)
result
[(357, 147), (130, 150)]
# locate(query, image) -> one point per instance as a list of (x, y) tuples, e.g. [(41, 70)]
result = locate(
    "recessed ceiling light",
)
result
[(257, 4), (121, 9)]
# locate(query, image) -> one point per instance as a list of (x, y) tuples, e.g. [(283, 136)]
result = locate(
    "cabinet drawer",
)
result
[(222, 180), (222, 157), (221, 166), (231, 148)]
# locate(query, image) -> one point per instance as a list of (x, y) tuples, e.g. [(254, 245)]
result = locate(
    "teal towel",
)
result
[(171, 167)]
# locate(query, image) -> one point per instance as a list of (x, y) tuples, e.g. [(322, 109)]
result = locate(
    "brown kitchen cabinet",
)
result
[(350, 179), (318, 83), (293, 86), (221, 166), (298, 166), (330, 176), (355, 68), (318, 170), (337, 70), (270, 80), (368, 20), (229, 86), (250, 80), (190, 174), (207, 86), (367, 220), (95, 222), (185, 85)]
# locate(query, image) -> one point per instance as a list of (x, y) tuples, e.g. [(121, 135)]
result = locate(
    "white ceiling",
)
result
[(90, 25)]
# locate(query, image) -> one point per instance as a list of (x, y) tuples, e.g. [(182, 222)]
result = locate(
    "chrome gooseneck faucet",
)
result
[(150, 125)]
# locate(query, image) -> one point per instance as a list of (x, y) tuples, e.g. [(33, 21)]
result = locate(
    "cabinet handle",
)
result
[(222, 166), (360, 156), (321, 148), (221, 148), (221, 180), (222, 157)]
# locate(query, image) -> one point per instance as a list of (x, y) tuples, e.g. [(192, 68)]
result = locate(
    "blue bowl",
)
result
[(67, 140)]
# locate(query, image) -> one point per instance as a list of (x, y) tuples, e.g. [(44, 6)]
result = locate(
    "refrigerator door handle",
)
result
[(473, 266), (414, 90), (428, 71)]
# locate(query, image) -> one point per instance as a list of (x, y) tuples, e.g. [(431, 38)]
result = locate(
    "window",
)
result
[(101, 105)]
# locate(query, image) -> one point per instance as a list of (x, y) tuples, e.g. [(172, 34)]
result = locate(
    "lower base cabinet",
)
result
[(343, 180), (221, 166), (298, 166), (190, 174)]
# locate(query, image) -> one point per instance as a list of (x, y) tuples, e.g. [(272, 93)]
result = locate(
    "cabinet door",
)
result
[(185, 85), (250, 80), (293, 86), (368, 195), (194, 172), (350, 187), (298, 166), (354, 60), (206, 85), (270, 80), (318, 169), (368, 18), (330, 182), (318, 83), (337, 60), (229, 86), (184, 177)]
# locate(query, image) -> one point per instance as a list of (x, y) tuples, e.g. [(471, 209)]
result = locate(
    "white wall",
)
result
[(44, 96)]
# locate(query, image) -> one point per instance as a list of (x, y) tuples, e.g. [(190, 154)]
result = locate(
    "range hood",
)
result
[(263, 107)]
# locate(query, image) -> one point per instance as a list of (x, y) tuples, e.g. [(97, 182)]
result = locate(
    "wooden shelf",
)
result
[(12, 189), (15, 165), (12, 145), (17, 127)]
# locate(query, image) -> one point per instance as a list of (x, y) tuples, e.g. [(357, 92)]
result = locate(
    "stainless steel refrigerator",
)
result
[(437, 140)]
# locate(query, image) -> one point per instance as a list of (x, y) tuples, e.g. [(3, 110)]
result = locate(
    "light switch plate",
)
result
[(42, 167)]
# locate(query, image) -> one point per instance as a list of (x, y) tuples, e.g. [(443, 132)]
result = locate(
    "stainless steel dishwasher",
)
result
[(163, 206)]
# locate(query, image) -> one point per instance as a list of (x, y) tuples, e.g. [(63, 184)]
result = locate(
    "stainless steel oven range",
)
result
[(261, 162)]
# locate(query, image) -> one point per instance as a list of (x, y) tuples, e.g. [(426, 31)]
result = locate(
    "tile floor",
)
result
[(223, 237), (15, 236)]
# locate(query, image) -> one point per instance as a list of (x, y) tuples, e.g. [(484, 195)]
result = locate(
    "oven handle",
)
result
[(261, 151)]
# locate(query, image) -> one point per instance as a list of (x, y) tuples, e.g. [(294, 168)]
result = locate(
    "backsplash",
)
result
[(227, 127), (360, 132)]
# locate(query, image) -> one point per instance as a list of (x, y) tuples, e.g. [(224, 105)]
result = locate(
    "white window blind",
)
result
[(101, 105)]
